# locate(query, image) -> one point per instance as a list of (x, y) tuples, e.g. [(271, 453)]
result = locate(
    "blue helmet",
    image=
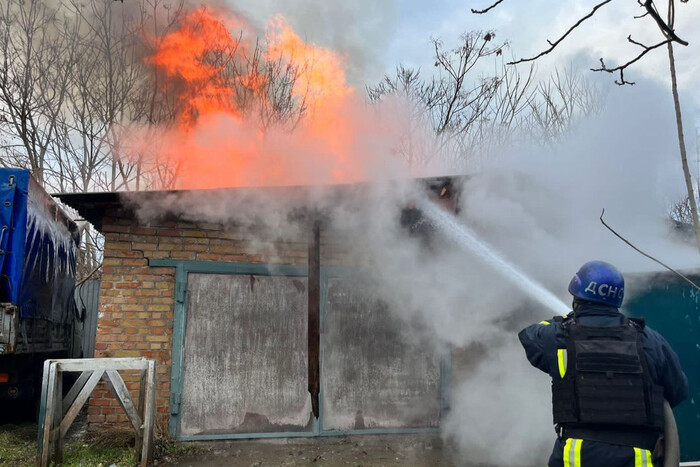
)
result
[(598, 282)]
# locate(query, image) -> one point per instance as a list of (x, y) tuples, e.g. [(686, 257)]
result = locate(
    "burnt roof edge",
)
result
[(92, 206)]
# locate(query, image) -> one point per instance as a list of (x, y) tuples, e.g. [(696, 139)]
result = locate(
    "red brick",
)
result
[(143, 231), (168, 232), (111, 228), (129, 254)]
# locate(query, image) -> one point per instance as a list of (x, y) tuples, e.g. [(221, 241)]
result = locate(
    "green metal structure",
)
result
[(671, 306)]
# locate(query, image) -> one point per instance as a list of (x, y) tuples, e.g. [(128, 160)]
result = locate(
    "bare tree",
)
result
[(679, 120), (469, 117), (556, 105), (449, 103), (668, 38), (649, 11), (38, 52)]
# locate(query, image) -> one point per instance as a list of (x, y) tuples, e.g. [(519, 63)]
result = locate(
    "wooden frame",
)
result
[(57, 413)]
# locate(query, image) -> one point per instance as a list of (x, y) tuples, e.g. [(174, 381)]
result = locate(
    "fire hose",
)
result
[(672, 455)]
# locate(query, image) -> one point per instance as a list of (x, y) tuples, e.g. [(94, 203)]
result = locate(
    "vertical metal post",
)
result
[(314, 314)]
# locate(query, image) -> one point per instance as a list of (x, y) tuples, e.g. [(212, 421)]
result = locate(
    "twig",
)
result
[(622, 67), (85, 279), (558, 41), (632, 41), (648, 256), (481, 12)]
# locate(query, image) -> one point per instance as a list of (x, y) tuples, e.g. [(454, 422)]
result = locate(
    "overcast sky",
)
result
[(377, 35)]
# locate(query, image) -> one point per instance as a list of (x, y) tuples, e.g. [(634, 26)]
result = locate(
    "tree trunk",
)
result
[(681, 144)]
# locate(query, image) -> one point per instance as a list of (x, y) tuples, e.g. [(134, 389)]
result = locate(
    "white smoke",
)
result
[(359, 30), (539, 208)]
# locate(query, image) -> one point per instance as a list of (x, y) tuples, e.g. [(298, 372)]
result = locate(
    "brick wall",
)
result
[(136, 301)]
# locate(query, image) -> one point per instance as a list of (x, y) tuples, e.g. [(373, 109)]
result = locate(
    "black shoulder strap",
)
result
[(638, 323), (565, 321)]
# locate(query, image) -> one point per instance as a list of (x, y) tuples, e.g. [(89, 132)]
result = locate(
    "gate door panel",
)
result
[(377, 372), (244, 356)]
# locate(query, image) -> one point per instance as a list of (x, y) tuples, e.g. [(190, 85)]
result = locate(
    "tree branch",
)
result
[(665, 28), (648, 256), (622, 67), (481, 12), (632, 41), (553, 45)]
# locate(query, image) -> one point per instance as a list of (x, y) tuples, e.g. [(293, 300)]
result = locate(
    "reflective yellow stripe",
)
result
[(642, 458), (561, 358), (572, 452), (544, 322), (577, 453)]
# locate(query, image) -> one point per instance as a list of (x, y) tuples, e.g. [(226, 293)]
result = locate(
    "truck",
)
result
[(39, 318)]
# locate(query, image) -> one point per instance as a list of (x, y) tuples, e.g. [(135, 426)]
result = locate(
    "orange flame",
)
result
[(218, 139), (189, 55)]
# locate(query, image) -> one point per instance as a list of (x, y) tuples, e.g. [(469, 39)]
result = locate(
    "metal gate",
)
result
[(378, 374), (240, 357)]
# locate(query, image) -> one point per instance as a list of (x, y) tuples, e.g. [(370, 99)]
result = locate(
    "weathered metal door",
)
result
[(244, 358), (378, 372)]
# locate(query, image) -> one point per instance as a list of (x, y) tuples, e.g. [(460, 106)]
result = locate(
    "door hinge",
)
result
[(175, 402), (180, 291)]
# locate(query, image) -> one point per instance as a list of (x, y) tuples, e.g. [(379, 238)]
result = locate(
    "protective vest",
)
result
[(603, 383)]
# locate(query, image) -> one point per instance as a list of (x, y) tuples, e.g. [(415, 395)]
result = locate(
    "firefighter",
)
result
[(610, 375)]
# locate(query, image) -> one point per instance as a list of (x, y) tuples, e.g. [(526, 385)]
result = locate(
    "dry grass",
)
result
[(18, 447)]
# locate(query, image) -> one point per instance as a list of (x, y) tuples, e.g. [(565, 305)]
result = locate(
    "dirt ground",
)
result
[(356, 451)]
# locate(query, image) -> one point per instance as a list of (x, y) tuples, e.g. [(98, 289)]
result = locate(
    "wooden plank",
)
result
[(149, 415), (57, 441), (103, 364), (80, 400), (42, 438), (142, 401), (142, 391), (117, 386), (101, 360), (75, 390)]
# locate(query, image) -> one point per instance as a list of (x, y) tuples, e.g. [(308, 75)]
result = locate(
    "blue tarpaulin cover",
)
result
[(37, 249)]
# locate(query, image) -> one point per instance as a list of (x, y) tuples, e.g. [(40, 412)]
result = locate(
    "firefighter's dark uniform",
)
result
[(596, 429)]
